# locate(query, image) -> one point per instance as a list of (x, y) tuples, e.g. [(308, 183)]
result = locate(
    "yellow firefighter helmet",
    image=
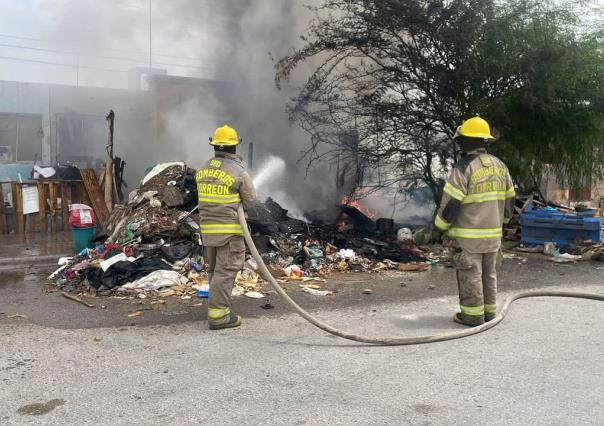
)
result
[(475, 127), (225, 136)]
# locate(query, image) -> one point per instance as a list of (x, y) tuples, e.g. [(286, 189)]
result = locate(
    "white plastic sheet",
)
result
[(155, 280)]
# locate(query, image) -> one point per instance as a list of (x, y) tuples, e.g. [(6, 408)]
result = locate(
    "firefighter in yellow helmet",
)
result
[(223, 183), (478, 198)]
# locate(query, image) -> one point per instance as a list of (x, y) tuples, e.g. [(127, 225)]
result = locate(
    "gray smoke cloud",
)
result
[(258, 31), (229, 43)]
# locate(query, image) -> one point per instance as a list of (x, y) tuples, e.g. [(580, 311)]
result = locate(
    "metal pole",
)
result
[(150, 36), (17, 140), (250, 156), (109, 168)]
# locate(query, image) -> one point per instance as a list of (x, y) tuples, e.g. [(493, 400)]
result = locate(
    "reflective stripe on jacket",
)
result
[(478, 198), (222, 183)]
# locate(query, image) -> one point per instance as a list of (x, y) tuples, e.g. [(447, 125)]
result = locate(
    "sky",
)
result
[(96, 42), (91, 42)]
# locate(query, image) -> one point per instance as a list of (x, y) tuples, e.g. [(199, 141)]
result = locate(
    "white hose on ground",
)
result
[(399, 340)]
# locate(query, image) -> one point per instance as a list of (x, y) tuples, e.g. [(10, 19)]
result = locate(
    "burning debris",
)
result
[(153, 245), (352, 242)]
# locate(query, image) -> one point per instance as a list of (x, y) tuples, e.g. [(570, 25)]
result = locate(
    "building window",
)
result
[(21, 137)]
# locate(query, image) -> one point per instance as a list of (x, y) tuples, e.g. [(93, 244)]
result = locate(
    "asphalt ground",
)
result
[(542, 366), (63, 363)]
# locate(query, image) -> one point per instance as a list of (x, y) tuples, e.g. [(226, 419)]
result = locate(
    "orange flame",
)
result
[(346, 201)]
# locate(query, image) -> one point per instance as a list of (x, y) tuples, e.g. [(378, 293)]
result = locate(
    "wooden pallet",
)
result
[(49, 213), (93, 189)]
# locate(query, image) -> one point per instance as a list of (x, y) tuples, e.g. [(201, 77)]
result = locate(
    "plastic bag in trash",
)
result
[(177, 251)]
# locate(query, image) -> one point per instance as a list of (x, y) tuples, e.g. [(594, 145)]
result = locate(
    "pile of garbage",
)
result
[(152, 244), (293, 247)]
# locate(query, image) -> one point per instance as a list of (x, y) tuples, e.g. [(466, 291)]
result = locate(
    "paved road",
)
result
[(543, 365), (23, 291)]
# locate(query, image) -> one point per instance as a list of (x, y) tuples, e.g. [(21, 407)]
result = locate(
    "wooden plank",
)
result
[(80, 195), (31, 220), (2, 213), (65, 205), (42, 204), (93, 189), (52, 195), (18, 207)]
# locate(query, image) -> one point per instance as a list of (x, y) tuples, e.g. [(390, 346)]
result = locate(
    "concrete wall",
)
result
[(73, 122)]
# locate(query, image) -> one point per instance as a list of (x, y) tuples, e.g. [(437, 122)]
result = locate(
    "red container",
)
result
[(81, 216)]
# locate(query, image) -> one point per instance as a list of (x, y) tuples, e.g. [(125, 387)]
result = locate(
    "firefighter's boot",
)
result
[(234, 321)]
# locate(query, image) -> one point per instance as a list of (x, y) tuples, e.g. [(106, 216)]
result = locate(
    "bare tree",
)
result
[(405, 73)]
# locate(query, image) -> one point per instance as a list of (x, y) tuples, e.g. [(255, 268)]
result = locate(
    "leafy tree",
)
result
[(405, 73)]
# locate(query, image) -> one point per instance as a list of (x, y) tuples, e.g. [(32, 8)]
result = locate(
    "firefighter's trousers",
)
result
[(477, 281), (224, 262)]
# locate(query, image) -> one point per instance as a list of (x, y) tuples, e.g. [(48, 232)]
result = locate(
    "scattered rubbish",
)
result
[(154, 281), (238, 291), (404, 234), (315, 292), (347, 254), (413, 267), (422, 236), (368, 291), (315, 286), (135, 314), (313, 252), (564, 258), (44, 172), (159, 169), (549, 248), (121, 257), (57, 272), (431, 287), (166, 292), (254, 295), (76, 299), (294, 271), (203, 291)]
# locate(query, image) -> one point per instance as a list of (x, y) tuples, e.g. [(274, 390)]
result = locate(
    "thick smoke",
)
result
[(230, 44), (253, 32)]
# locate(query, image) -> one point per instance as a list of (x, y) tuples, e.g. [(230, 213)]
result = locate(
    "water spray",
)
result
[(274, 166)]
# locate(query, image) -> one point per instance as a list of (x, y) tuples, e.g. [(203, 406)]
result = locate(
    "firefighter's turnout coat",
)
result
[(478, 198), (223, 183)]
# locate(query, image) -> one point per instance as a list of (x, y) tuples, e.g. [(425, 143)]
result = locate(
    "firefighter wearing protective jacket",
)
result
[(223, 183), (478, 198)]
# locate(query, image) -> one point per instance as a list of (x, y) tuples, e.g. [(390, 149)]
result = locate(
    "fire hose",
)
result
[(399, 340)]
